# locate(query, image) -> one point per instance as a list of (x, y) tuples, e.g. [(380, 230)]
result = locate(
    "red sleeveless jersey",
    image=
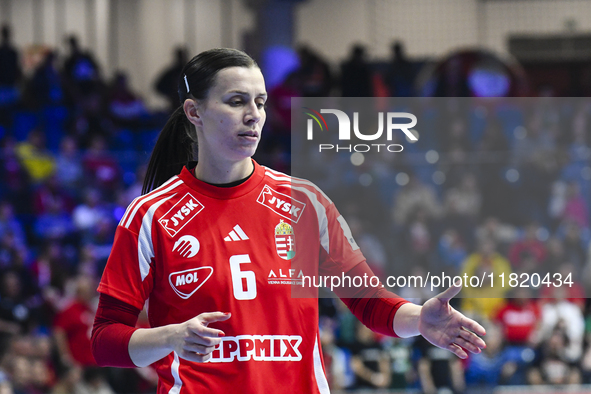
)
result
[(189, 247)]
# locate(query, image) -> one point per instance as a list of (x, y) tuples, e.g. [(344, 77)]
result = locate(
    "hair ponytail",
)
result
[(173, 150)]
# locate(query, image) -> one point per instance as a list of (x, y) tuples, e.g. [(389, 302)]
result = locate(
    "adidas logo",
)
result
[(237, 234)]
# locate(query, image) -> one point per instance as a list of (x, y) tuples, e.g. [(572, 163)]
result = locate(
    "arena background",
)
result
[(76, 128)]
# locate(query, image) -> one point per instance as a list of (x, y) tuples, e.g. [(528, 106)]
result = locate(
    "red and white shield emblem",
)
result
[(285, 241)]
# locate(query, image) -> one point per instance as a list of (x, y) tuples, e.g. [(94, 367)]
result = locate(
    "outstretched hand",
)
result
[(449, 329)]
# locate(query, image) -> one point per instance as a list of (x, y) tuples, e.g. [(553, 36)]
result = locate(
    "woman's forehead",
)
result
[(242, 79)]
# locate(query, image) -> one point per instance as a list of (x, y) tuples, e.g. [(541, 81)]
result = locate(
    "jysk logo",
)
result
[(180, 214), (186, 283), (345, 130), (282, 204)]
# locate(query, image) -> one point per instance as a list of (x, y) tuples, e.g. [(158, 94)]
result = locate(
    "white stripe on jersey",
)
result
[(279, 176), (135, 200), (151, 196), (145, 246), (319, 372), (174, 369), (322, 218)]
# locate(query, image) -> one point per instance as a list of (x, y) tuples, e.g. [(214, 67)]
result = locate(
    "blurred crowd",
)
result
[(489, 196)]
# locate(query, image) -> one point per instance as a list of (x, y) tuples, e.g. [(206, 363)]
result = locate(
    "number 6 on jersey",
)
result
[(248, 291)]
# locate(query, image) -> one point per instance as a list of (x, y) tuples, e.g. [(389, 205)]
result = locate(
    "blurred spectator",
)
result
[(51, 270), (370, 245), (502, 234), (575, 241), (315, 74), (528, 253), (572, 284), (87, 215), (73, 325), (400, 75), (50, 195), (554, 366), (576, 208), (336, 360), (5, 385), (101, 167), (14, 179), (10, 68), (125, 106), (15, 313), (418, 238), (356, 74), (414, 195), (485, 300), (519, 319), (369, 361), (462, 205), (81, 72), (69, 171), (10, 225), (94, 382), (451, 250), (567, 316), (10, 76), (167, 81), (491, 367), (54, 223), (68, 380), (439, 370), (35, 158), (279, 112), (45, 86)]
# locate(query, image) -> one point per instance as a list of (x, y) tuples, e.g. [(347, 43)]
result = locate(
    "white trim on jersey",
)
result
[(145, 246), (319, 371), (322, 218), (150, 197), (174, 370), (135, 200), (279, 176)]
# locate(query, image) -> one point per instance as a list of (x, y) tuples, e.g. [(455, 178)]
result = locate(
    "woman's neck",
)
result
[(217, 173)]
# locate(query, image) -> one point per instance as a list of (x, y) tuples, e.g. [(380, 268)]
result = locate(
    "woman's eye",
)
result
[(236, 102), (261, 105)]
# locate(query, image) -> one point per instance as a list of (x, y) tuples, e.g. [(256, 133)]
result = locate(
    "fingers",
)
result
[(473, 326), (457, 350), (199, 324), (191, 356), (449, 293), (212, 317), (473, 339), (201, 349), (466, 345), (206, 332)]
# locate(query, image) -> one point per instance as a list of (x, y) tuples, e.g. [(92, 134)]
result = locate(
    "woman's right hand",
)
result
[(193, 340)]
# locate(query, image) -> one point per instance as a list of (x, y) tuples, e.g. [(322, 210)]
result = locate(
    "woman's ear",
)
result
[(191, 109)]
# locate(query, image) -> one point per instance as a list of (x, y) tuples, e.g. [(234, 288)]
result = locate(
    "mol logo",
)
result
[(257, 347), (345, 129), (180, 214), (186, 283)]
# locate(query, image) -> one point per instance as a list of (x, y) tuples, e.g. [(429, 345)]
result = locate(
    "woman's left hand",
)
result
[(447, 328)]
